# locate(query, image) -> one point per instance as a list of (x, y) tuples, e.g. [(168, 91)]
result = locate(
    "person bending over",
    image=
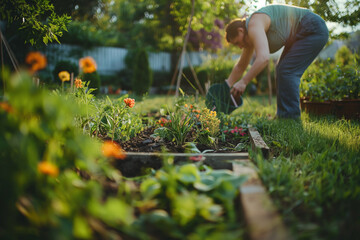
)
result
[(303, 35)]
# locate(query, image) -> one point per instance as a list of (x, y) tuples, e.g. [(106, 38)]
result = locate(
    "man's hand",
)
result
[(238, 89)]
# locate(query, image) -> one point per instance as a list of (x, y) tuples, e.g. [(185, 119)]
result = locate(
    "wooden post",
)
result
[(175, 72), (184, 49), (195, 76), (71, 81)]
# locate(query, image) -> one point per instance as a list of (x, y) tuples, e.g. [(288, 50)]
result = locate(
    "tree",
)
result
[(329, 10), (35, 18)]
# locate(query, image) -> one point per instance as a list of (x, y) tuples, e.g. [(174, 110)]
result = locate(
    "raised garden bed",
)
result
[(349, 109), (256, 208)]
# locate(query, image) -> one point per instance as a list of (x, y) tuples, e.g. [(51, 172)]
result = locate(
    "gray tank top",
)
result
[(284, 22)]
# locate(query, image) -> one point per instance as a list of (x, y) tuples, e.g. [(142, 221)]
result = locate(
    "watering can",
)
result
[(219, 99)]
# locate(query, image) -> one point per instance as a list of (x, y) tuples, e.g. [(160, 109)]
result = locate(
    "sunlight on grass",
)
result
[(346, 132)]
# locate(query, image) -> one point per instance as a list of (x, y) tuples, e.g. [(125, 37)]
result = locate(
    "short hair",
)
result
[(231, 28)]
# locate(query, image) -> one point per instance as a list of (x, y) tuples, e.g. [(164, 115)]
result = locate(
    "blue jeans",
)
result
[(299, 52)]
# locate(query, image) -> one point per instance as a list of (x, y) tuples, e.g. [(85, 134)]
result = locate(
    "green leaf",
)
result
[(188, 174), (184, 208), (113, 212), (150, 187), (81, 228)]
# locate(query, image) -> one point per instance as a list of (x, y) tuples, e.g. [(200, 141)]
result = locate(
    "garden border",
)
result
[(261, 216)]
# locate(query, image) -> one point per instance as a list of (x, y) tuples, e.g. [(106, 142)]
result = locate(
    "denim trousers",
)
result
[(300, 51)]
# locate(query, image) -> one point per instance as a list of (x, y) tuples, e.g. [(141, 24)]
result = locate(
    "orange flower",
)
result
[(88, 64), (6, 107), (64, 76), (129, 102), (48, 168), (36, 60), (78, 83), (111, 149)]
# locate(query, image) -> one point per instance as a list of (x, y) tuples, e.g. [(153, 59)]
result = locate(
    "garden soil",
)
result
[(144, 142)]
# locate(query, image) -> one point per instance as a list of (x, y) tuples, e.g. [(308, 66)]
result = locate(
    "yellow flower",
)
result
[(48, 168), (36, 60), (78, 83), (64, 76), (88, 64), (213, 113)]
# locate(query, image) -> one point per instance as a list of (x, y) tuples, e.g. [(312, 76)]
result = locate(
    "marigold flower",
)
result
[(88, 64), (162, 121), (6, 107), (36, 60), (64, 76), (78, 83), (112, 149), (129, 102), (48, 168)]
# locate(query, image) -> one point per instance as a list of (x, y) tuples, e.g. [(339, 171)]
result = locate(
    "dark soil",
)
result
[(144, 142)]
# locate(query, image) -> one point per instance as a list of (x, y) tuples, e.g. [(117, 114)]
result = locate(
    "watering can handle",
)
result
[(232, 97)]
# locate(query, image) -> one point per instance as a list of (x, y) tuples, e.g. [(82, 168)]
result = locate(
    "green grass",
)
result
[(313, 175)]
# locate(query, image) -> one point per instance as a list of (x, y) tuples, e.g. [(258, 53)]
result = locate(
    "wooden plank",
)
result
[(258, 143), (261, 216), (135, 161)]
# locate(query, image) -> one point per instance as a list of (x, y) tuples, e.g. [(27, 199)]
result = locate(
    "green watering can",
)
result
[(219, 99)]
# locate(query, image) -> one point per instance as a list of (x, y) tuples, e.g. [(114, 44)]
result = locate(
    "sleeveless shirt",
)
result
[(285, 20)]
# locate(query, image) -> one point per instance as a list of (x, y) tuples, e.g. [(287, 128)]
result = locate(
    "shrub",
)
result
[(93, 79), (125, 77), (142, 75), (324, 81), (217, 69), (343, 56), (65, 66)]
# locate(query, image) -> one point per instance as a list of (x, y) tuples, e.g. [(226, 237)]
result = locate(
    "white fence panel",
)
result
[(160, 61), (110, 60)]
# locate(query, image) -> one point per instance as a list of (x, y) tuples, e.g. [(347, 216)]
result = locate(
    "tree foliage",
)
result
[(36, 19), (331, 10)]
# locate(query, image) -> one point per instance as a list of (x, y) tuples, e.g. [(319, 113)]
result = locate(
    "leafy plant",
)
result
[(116, 120), (176, 128), (192, 197), (41, 147), (324, 81)]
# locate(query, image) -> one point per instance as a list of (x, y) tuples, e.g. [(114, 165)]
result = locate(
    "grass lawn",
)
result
[(313, 175)]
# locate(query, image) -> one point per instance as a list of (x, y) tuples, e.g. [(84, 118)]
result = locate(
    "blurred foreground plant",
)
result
[(41, 150)]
